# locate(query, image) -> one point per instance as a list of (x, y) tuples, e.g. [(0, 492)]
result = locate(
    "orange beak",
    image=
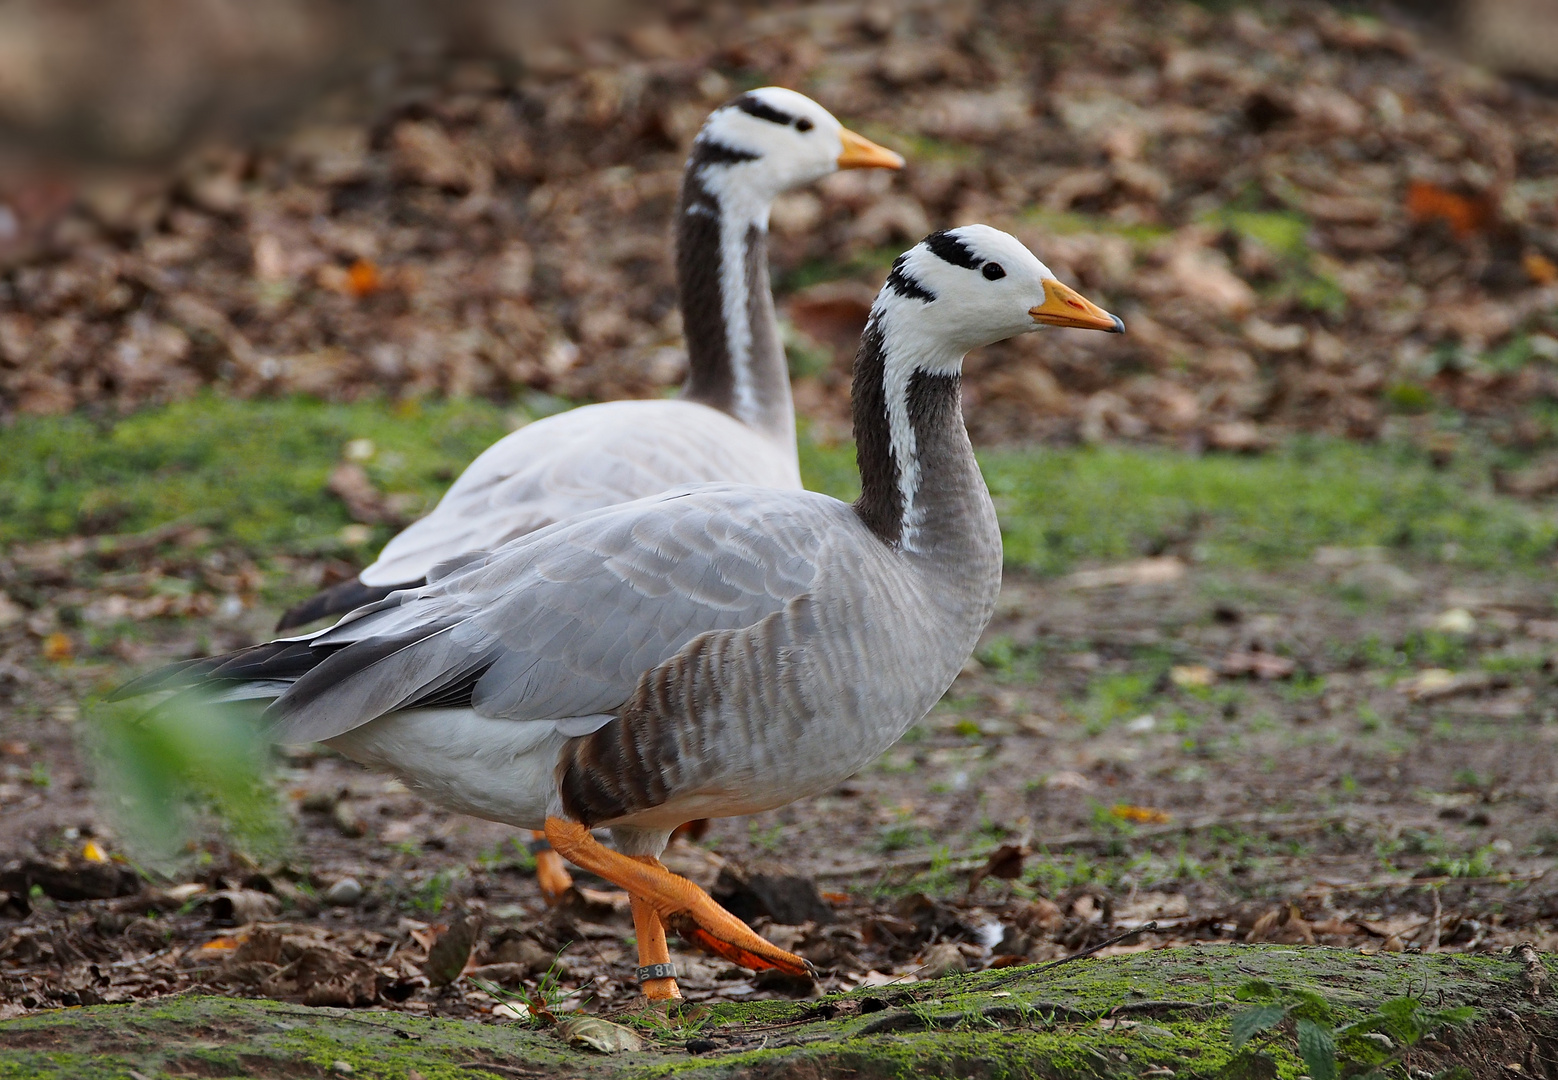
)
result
[(1064, 306), (861, 153)]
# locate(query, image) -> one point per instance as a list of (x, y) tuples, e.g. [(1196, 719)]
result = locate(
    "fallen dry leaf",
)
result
[(1164, 570), (1236, 436), (1262, 665), (57, 647), (1282, 925), (1005, 862), (350, 483), (1140, 815), (1466, 214), (1538, 478), (593, 1033), (450, 953), (241, 906), (1539, 268), (363, 278), (1068, 779), (1434, 684), (1192, 676)]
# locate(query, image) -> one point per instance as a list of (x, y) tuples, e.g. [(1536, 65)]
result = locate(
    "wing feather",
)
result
[(563, 622)]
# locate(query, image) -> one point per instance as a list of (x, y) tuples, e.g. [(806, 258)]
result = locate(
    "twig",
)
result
[(314, 1013), (1535, 972), (137, 961), (1084, 839), (1431, 882), (1434, 925), (1089, 951)]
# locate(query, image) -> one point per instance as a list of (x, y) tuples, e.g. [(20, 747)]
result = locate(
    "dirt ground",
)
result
[(1236, 755)]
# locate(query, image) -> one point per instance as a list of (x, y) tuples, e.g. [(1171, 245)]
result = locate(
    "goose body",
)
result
[(734, 421), (718, 649), (813, 646)]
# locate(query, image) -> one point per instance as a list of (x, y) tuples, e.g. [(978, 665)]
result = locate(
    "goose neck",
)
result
[(735, 360), (921, 489)]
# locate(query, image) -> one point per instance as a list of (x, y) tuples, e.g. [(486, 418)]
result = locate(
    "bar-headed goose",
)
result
[(716, 650), (734, 420)]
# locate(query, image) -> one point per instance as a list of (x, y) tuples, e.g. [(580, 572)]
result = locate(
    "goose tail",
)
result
[(339, 599), (257, 673)]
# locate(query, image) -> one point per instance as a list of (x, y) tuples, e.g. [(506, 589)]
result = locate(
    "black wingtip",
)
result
[(338, 600), (168, 677)]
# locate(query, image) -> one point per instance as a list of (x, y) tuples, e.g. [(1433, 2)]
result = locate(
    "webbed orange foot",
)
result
[(673, 897), (551, 874)]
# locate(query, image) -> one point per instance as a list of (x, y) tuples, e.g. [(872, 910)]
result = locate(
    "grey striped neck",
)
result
[(917, 469), (735, 361)]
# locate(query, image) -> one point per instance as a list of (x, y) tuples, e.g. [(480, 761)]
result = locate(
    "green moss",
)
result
[(816, 271), (1092, 1018), (1069, 222), (919, 148), (1409, 397), (1284, 232)]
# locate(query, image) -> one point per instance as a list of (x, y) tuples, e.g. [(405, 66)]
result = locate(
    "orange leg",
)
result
[(653, 952), (551, 874), (672, 896)]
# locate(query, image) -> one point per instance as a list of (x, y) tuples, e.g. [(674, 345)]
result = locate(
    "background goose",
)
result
[(734, 420), (717, 650)]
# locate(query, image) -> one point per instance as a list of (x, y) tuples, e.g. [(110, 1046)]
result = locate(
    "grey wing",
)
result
[(563, 622)]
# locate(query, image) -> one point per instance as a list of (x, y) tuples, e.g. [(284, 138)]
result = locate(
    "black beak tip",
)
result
[(1119, 325)]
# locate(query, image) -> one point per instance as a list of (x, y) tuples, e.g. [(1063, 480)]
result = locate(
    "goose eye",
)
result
[(803, 124), (994, 271)]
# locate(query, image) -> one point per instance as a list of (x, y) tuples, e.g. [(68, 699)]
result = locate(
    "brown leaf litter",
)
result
[(1309, 220)]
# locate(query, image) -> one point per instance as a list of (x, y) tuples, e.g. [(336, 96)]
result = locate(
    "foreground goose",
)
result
[(717, 650), (734, 420)]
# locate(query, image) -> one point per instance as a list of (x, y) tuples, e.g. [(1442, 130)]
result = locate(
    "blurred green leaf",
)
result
[(1255, 990), (1251, 1022), (159, 770), (1311, 1005), (1318, 1050)]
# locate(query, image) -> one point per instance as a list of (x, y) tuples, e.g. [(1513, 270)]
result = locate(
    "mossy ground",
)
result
[(1105, 1017)]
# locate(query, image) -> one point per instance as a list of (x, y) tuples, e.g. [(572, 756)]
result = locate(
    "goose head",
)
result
[(771, 140), (962, 288)]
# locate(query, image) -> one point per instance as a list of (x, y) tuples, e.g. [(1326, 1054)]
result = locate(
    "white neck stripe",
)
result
[(739, 212), (908, 345)]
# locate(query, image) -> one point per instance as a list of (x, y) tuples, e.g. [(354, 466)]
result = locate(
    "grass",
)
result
[(254, 472), (1113, 503)]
